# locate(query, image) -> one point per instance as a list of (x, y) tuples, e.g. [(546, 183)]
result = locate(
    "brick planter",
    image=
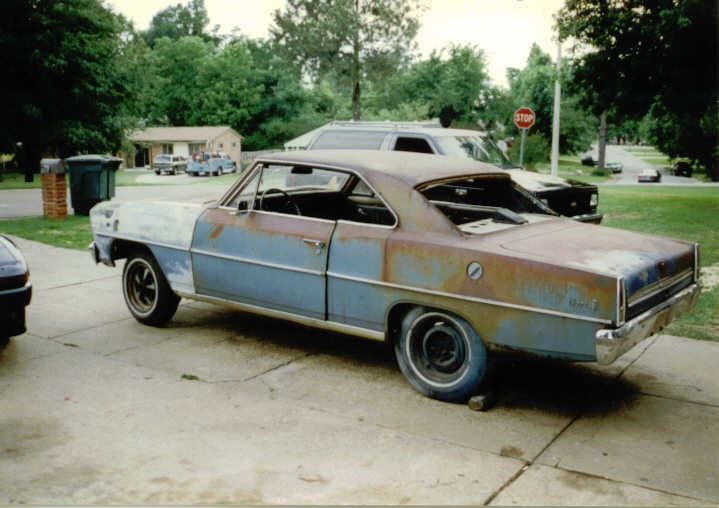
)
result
[(54, 196)]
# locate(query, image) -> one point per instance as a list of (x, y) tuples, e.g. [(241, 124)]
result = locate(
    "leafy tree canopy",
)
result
[(179, 21), (644, 58), (533, 87), (349, 41), (62, 86), (451, 87)]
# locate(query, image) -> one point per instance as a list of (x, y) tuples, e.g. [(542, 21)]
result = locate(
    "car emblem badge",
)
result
[(474, 270)]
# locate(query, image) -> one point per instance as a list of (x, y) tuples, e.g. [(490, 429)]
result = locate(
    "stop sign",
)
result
[(524, 118)]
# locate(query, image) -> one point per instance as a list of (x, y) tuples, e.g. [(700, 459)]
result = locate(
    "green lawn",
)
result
[(689, 213), (72, 233)]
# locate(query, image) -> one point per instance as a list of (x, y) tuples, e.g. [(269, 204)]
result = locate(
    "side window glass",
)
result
[(408, 144), (366, 207)]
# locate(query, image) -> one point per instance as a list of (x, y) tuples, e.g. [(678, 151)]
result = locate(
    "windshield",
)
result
[(474, 147)]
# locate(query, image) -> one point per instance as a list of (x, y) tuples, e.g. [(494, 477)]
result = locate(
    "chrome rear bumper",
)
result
[(612, 343)]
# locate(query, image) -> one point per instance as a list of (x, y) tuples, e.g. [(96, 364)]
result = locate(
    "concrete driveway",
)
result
[(226, 407)]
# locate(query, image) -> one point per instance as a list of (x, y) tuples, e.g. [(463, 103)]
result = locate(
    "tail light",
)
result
[(14, 282), (621, 301)]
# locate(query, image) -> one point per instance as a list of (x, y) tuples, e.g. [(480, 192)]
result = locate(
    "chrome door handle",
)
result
[(317, 243)]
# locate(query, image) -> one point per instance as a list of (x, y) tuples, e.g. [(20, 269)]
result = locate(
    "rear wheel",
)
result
[(440, 354), (147, 293)]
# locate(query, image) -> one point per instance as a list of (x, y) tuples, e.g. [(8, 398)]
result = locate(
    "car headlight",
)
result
[(594, 200)]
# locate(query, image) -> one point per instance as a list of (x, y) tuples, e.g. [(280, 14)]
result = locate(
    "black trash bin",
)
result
[(92, 179)]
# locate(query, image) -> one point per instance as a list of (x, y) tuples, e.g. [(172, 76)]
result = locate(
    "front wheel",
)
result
[(147, 293), (440, 354)]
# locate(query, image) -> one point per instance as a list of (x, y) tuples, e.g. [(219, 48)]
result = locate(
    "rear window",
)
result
[(162, 158), (356, 140)]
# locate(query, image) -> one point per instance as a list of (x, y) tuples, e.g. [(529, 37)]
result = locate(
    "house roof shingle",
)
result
[(179, 134)]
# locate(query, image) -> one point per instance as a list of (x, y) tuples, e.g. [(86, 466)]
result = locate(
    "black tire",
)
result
[(158, 172), (440, 354), (4, 341), (147, 293)]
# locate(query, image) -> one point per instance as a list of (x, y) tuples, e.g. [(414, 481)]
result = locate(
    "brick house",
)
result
[(182, 141)]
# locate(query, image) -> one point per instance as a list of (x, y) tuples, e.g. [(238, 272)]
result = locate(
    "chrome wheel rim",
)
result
[(141, 286)]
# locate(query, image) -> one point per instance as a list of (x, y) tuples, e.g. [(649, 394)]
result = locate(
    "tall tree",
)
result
[(349, 40), (227, 88), (451, 86), (179, 21), (533, 86), (641, 59), (61, 86), (174, 91)]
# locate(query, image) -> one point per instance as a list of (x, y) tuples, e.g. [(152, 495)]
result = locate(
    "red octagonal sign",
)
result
[(524, 118)]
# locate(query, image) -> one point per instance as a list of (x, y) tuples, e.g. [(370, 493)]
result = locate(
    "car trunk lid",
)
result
[(652, 267)]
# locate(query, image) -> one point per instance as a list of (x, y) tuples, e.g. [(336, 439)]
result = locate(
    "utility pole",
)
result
[(555, 121)]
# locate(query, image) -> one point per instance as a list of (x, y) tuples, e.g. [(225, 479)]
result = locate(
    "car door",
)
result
[(269, 259)]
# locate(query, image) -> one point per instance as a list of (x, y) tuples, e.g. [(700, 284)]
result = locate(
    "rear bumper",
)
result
[(12, 310), (612, 343), (594, 218)]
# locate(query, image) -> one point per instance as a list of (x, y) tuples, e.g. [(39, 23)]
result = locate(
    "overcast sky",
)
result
[(504, 29)]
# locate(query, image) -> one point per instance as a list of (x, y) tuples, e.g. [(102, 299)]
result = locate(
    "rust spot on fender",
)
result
[(216, 232)]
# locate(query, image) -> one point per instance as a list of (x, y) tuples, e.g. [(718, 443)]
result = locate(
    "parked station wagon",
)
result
[(445, 258), (572, 198)]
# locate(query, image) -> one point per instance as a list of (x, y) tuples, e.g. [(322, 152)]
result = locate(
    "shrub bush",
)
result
[(536, 149)]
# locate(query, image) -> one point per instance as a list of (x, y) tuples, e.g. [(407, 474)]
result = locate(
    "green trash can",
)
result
[(92, 179)]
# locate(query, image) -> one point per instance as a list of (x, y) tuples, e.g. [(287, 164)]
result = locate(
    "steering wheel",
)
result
[(288, 199)]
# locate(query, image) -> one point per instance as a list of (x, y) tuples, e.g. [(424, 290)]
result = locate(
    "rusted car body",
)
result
[(444, 257)]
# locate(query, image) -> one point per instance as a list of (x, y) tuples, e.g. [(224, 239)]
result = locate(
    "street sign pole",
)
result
[(523, 119)]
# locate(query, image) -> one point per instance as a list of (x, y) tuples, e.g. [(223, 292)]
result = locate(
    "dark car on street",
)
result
[(682, 168), (15, 290)]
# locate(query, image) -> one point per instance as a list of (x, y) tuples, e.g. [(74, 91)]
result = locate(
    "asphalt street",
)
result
[(633, 166), (223, 407)]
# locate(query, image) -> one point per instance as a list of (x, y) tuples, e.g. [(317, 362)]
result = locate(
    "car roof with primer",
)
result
[(414, 169)]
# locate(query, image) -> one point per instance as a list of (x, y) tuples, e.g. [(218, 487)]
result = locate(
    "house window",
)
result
[(167, 148), (221, 145), (234, 145), (197, 148)]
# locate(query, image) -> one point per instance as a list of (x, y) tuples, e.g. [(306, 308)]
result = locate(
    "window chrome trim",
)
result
[(255, 262), (334, 326), (242, 178), (473, 299)]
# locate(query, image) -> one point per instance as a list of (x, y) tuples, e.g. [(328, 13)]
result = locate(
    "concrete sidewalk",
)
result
[(226, 407)]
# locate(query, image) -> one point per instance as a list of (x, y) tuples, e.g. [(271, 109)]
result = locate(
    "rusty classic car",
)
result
[(445, 258)]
